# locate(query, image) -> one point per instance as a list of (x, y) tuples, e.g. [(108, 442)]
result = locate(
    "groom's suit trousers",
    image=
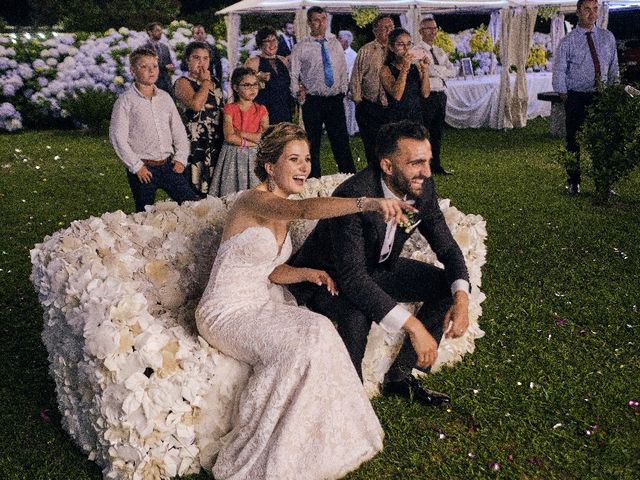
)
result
[(407, 281)]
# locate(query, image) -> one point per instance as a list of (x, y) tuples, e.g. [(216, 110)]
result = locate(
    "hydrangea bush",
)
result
[(37, 72), (139, 391)]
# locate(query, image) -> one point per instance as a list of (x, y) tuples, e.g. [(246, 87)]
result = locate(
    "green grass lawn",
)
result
[(545, 394)]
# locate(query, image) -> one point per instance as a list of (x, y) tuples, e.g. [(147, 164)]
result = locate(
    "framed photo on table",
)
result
[(466, 67)]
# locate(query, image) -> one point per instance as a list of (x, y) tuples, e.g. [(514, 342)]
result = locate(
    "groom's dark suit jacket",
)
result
[(348, 247)]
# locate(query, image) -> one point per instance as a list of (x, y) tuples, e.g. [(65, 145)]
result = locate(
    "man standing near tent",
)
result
[(585, 58), (154, 30), (366, 89), (319, 82), (199, 34), (287, 40), (434, 107)]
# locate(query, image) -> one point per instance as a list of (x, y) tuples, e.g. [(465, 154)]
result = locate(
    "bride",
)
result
[(304, 412)]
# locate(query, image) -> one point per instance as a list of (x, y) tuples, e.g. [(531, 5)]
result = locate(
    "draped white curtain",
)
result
[(410, 21), (603, 15), (516, 37), (557, 31), (300, 24), (232, 21), (494, 26)]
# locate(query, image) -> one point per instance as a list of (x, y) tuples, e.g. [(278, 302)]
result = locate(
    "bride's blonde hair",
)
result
[(272, 144)]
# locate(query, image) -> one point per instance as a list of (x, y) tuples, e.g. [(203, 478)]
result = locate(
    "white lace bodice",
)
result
[(240, 273)]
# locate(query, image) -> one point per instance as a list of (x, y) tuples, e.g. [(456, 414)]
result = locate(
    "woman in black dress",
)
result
[(273, 73), (404, 81), (201, 97)]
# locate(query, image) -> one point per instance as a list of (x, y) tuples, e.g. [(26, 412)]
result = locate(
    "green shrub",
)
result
[(610, 137), (90, 108)]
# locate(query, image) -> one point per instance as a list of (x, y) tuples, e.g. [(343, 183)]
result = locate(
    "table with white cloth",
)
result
[(473, 102)]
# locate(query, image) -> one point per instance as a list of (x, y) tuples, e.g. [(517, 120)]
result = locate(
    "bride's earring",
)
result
[(271, 185)]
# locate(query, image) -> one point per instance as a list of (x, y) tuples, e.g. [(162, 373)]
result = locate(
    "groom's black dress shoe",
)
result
[(410, 388)]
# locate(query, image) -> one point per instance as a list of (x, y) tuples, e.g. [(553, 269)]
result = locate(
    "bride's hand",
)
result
[(320, 277), (390, 208)]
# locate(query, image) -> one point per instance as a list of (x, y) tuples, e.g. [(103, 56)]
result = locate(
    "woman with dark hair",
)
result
[(273, 73), (304, 412), (201, 97), (405, 82)]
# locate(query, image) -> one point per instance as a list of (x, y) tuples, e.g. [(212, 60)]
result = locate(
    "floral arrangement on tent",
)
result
[(445, 42), (476, 44), (140, 392), (364, 16), (537, 57)]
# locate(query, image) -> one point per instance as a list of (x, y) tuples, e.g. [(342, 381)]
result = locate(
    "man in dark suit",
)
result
[(287, 40), (199, 34), (165, 65), (362, 253)]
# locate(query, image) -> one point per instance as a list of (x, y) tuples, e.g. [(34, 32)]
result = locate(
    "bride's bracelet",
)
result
[(360, 203)]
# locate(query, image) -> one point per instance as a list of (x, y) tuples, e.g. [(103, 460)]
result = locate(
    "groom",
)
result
[(362, 254)]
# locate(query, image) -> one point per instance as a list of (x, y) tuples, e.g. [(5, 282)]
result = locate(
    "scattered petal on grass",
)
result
[(471, 455), (57, 157), (633, 403), (475, 391), (48, 147), (557, 425), (561, 322), (17, 150), (44, 414), (518, 383), (441, 436), (531, 384), (534, 461), (37, 167), (495, 466)]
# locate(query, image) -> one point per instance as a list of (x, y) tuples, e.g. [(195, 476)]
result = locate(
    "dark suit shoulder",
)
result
[(364, 183)]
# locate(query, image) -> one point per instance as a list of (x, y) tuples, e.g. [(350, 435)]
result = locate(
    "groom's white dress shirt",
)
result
[(397, 316)]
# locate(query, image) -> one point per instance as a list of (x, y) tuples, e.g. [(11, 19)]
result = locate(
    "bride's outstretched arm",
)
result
[(268, 205), (286, 274)]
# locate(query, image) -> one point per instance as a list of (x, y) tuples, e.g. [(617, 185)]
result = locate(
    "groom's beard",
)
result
[(402, 184)]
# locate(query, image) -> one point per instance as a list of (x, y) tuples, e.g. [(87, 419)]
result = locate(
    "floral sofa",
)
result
[(140, 392)]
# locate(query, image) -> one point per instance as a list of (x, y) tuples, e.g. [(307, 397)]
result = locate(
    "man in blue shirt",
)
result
[(585, 58)]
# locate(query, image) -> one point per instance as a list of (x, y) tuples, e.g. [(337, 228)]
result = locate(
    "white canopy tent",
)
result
[(515, 30)]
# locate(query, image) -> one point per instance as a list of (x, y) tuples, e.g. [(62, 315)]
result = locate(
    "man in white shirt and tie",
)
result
[(319, 81), (434, 107)]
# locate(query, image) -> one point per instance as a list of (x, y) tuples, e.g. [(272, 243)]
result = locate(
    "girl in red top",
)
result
[(244, 122)]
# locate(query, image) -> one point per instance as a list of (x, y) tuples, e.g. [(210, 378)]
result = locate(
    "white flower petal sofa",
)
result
[(140, 392)]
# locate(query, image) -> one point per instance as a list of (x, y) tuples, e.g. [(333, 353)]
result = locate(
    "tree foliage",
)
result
[(610, 137), (100, 15)]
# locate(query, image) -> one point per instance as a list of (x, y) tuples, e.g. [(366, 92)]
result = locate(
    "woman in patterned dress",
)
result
[(201, 97)]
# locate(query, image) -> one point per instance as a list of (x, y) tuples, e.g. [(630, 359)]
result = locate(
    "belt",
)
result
[(156, 163)]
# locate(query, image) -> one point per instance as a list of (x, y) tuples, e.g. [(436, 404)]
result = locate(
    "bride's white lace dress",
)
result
[(304, 412)]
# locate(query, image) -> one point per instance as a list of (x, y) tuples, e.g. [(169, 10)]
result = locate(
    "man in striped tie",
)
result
[(585, 58)]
